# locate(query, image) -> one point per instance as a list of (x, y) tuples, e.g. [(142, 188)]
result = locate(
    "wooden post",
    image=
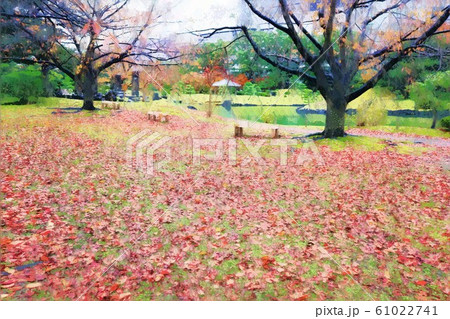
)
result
[(238, 131), (275, 132), (158, 117)]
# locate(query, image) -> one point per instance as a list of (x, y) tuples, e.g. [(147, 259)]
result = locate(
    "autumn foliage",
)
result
[(369, 224)]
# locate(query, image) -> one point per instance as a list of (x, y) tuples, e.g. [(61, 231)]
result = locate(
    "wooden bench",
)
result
[(239, 131), (158, 117), (110, 105)]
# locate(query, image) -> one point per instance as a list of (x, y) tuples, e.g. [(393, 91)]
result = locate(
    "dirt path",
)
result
[(428, 140), (299, 131)]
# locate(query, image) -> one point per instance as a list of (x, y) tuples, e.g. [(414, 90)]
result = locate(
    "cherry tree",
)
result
[(93, 35), (343, 48)]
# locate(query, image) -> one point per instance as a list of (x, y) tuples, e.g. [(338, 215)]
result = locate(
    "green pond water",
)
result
[(288, 116)]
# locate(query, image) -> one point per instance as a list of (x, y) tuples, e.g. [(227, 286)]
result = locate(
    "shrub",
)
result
[(166, 89), (308, 96), (371, 114), (22, 82), (251, 89), (445, 123), (223, 90), (432, 94), (185, 88), (59, 80), (267, 116)]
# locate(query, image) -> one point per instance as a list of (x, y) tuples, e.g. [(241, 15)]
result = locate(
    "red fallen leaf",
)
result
[(71, 260), (124, 295), (421, 283), (406, 240), (422, 296), (4, 241), (40, 276), (302, 298), (424, 240), (113, 287), (46, 232), (267, 261)]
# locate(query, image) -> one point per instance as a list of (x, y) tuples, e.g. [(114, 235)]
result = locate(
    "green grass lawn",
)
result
[(284, 115), (245, 231)]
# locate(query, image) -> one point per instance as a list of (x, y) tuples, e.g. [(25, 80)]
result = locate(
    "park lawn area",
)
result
[(411, 130), (281, 113), (362, 220), (291, 97)]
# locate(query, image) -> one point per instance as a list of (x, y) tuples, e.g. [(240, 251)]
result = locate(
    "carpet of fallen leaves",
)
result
[(79, 223)]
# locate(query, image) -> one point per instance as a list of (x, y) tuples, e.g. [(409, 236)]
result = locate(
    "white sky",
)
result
[(189, 15)]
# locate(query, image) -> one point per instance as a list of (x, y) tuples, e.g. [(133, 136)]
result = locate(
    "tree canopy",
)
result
[(341, 48), (80, 38)]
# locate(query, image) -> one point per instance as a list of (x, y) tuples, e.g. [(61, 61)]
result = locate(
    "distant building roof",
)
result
[(226, 82)]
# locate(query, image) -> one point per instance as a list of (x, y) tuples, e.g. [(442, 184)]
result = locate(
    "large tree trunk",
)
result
[(433, 125), (335, 119), (116, 83), (135, 84), (47, 86), (209, 108), (89, 88)]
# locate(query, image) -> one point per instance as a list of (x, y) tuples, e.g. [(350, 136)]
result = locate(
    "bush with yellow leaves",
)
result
[(372, 113)]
